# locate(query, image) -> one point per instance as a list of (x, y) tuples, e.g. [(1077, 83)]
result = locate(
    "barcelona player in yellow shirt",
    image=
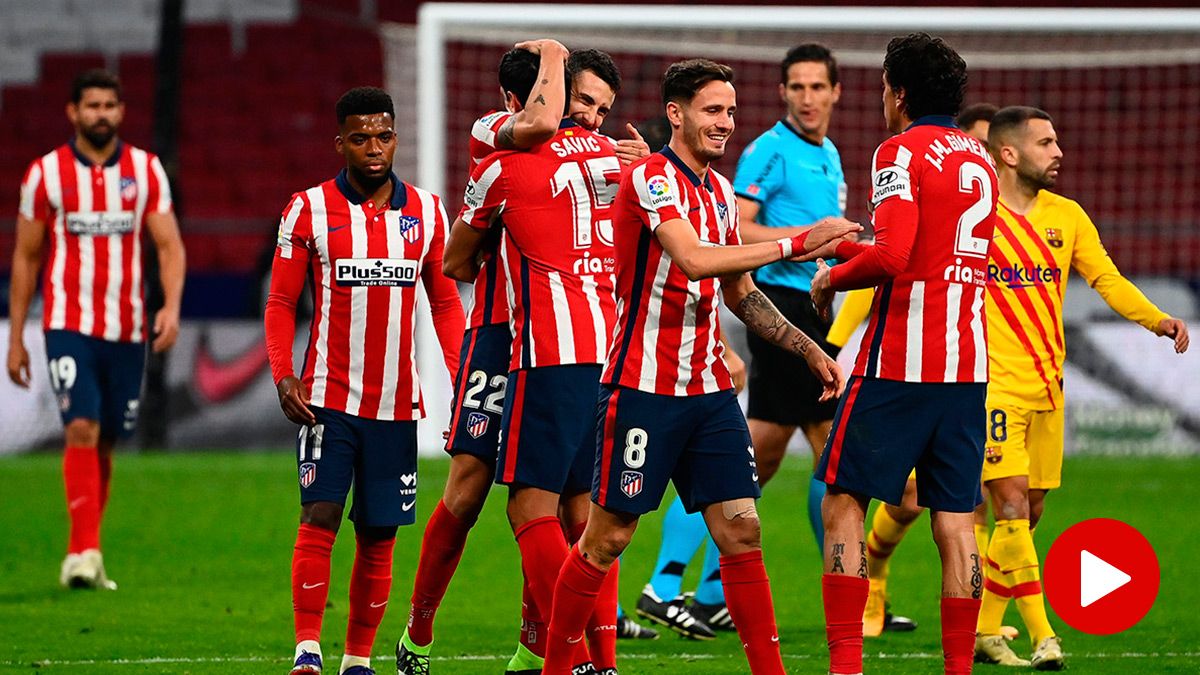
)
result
[(1039, 237)]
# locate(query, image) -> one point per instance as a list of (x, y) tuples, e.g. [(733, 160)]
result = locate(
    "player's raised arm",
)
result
[(289, 271), (764, 320), (538, 120), (164, 229), (483, 200)]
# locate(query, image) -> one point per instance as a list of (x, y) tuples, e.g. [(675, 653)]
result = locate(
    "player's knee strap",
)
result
[(739, 508), (1012, 546)]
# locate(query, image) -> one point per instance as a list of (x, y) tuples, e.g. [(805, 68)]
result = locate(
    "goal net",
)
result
[(1123, 87)]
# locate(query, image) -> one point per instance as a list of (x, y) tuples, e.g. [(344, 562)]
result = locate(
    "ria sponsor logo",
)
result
[(375, 272), (1023, 277), (589, 265), (964, 274)]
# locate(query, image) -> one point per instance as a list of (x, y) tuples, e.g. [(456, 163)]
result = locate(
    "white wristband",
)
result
[(785, 248)]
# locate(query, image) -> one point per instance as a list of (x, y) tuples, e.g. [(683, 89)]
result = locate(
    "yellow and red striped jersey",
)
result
[(1029, 261)]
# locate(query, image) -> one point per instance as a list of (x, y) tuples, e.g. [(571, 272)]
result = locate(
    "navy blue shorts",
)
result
[(377, 457), (548, 436), (479, 391), (643, 440), (96, 379), (884, 429)]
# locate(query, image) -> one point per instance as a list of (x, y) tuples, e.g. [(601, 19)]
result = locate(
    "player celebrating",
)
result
[(366, 238), (667, 410), (1040, 236), (531, 73), (787, 179), (95, 195), (917, 392), (552, 205)]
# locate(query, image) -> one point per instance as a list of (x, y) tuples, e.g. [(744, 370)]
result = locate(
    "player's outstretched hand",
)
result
[(831, 229), (822, 294), (630, 150), (542, 45), (18, 365), (293, 398), (166, 329), (828, 372), (1170, 327)]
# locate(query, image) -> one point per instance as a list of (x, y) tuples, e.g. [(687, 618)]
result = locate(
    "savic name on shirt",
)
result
[(364, 262), (934, 190), (95, 215), (668, 336)]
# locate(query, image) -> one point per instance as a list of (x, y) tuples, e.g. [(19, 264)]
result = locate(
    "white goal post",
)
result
[(439, 22)]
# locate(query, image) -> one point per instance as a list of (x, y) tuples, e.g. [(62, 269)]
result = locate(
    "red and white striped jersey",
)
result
[(489, 299), (934, 197), (95, 215), (556, 246), (668, 338), (365, 260)]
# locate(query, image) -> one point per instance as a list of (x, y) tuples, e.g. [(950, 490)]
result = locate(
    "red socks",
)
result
[(533, 626), (959, 616), (310, 580), (370, 584), (602, 626), (441, 549), (81, 474), (575, 594), (845, 599), (748, 596), (105, 478), (543, 549)]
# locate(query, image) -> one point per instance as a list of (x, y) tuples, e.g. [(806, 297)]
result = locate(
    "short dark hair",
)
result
[(976, 112), (599, 63), (684, 78), (809, 51), (932, 75), (518, 72), (364, 101), (95, 78), (1010, 119)]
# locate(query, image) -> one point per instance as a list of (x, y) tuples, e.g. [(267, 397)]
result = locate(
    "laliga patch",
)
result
[(410, 229), (308, 474), (473, 196), (888, 182), (631, 483), (477, 424), (660, 191)]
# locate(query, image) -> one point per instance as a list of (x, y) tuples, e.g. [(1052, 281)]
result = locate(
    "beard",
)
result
[(99, 134), (700, 149), (1038, 179)]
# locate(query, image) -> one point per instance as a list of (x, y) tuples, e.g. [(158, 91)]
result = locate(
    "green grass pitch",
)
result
[(201, 546)]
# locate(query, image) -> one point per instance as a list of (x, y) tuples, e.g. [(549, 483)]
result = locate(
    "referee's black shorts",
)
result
[(782, 388)]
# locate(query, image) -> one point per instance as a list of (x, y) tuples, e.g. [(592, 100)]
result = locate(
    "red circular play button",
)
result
[(1101, 576)]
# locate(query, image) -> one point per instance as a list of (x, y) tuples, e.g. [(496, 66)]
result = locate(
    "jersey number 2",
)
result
[(966, 243), (588, 193)]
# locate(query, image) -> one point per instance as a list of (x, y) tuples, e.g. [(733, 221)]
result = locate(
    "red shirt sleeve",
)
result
[(449, 321), (655, 186), (289, 271), (893, 196), (485, 193), (35, 203), (483, 135)]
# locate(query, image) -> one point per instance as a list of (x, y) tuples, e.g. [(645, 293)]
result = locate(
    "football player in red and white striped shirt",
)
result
[(365, 239), (917, 394), (667, 410), (94, 196)]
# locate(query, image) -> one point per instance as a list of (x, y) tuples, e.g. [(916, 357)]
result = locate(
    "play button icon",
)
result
[(1101, 576), (1097, 578)]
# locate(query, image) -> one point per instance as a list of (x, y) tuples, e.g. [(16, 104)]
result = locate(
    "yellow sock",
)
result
[(981, 540), (886, 533), (1013, 551)]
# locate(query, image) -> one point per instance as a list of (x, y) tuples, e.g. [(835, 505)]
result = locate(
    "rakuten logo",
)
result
[(1021, 277)]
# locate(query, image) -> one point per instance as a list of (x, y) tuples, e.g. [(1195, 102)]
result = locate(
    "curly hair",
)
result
[(932, 75), (364, 101)]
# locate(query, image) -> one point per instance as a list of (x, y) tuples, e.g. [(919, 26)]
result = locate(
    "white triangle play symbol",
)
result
[(1097, 578)]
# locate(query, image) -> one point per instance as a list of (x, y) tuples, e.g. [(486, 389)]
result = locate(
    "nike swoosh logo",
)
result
[(408, 506), (220, 381), (78, 501), (575, 641), (377, 605), (774, 638), (309, 587), (335, 229)]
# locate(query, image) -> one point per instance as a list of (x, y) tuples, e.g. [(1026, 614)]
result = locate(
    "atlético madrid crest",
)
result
[(631, 483), (477, 424), (410, 229), (308, 474)]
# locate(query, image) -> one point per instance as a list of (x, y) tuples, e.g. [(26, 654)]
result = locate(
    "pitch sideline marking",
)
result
[(501, 657)]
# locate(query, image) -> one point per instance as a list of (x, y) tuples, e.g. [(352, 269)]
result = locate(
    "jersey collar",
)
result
[(788, 125), (566, 123), (934, 121), (399, 193), (685, 169), (111, 161)]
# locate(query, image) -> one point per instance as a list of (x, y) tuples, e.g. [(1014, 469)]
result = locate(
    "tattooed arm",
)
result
[(763, 319), (538, 120)]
